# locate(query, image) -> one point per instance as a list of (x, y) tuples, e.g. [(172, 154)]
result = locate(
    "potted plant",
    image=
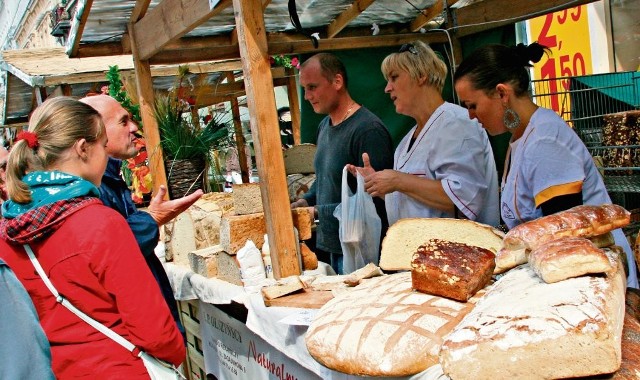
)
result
[(188, 138)]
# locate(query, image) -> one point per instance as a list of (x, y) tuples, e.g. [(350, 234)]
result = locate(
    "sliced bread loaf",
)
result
[(406, 235)]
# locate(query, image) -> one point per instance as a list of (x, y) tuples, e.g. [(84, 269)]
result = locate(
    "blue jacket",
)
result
[(114, 193), (24, 351)]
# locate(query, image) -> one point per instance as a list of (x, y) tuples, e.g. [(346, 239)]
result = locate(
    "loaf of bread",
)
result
[(215, 262), (405, 236), (630, 369), (604, 240), (383, 328), (247, 198), (299, 159), (309, 258), (569, 257), (452, 270), (524, 328), (580, 221)]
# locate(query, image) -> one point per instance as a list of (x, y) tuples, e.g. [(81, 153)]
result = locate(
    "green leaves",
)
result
[(117, 92), (181, 138)]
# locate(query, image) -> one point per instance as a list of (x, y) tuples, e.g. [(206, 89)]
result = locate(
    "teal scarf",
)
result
[(48, 187)]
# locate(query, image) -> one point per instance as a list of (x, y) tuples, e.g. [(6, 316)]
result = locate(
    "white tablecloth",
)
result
[(265, 321)]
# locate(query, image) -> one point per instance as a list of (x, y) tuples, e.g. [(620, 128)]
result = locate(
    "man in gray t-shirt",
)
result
[(348, 131)]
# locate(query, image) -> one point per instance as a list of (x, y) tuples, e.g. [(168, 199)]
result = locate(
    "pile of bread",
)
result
[(556, 309)]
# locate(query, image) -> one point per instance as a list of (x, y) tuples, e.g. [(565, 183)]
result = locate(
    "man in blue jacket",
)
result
[(114, 192)]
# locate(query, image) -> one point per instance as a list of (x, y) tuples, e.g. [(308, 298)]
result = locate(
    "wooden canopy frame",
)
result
[(158, 37)]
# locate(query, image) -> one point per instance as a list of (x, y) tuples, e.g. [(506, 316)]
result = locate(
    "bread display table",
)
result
[(232, 335)]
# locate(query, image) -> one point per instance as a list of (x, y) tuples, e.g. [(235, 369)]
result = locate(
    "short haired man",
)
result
[(348, 131), (114, 192)]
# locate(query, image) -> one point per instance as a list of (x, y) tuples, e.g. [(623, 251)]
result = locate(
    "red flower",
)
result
[(295, 62), (207, 119), (272, 61)]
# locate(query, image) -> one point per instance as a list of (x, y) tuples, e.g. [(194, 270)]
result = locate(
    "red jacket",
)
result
[(94, 261)]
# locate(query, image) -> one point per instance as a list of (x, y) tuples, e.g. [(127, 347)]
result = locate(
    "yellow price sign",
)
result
[(566, 34)]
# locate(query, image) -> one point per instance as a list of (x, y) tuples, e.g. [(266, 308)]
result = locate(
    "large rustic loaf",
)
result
[(452, 270), (383, 328), (524, 328), (406, 235), (568, 257), (235, 230), (580, 221)]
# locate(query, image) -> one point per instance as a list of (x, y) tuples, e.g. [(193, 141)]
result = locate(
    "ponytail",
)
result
[(54, 127)]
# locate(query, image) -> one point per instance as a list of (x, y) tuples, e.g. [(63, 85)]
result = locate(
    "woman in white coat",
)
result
[(444, 166), (548, 168)]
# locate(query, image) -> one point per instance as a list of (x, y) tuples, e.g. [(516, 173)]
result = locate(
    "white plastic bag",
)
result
[(360, 226)]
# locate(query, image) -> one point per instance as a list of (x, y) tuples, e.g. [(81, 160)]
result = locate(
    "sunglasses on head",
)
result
[(408, 47)]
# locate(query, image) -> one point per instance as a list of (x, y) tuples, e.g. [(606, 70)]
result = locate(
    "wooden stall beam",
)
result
[(213, 94), (211, 48), (347, 16), (82, 22), (294, 106), (146, 100), (170, 20), (482, 15), (139, 10), (239, 135), (266, 136), (429, 14)]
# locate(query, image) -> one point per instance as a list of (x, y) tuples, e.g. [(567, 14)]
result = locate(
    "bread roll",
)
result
[(604, 240), (580, 221), (568, 257), (383, 328), (406, 235), (452, 270), (524, 328)]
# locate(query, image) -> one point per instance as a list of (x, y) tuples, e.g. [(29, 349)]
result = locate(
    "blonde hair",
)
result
[(57, 123), (420, 61)]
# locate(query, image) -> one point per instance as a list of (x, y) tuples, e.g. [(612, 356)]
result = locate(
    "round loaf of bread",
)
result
[(383, 328)]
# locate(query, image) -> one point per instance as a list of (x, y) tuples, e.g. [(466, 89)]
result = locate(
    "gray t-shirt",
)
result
[(339, 145)]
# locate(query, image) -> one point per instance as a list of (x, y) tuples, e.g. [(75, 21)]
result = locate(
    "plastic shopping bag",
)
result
[(360, 226)]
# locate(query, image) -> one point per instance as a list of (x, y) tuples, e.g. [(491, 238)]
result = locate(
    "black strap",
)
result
[(295, 21)]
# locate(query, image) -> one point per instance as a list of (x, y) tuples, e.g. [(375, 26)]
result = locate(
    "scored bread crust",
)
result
[(579, 221), (405, 236), (383, 328), (568, 257), (524, 328)]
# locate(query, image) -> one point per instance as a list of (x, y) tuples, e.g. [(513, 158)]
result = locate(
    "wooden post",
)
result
[(146, 99), (294, 105), (265, 129), (237, 126)]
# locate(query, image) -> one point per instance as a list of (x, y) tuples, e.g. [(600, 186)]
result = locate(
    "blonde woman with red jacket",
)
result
[(86, 249)]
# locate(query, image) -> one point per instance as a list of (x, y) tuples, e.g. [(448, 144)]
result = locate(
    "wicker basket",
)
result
[(185, 176)]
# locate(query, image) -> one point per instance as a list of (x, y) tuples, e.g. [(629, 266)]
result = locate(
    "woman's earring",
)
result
[(511, 119)]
